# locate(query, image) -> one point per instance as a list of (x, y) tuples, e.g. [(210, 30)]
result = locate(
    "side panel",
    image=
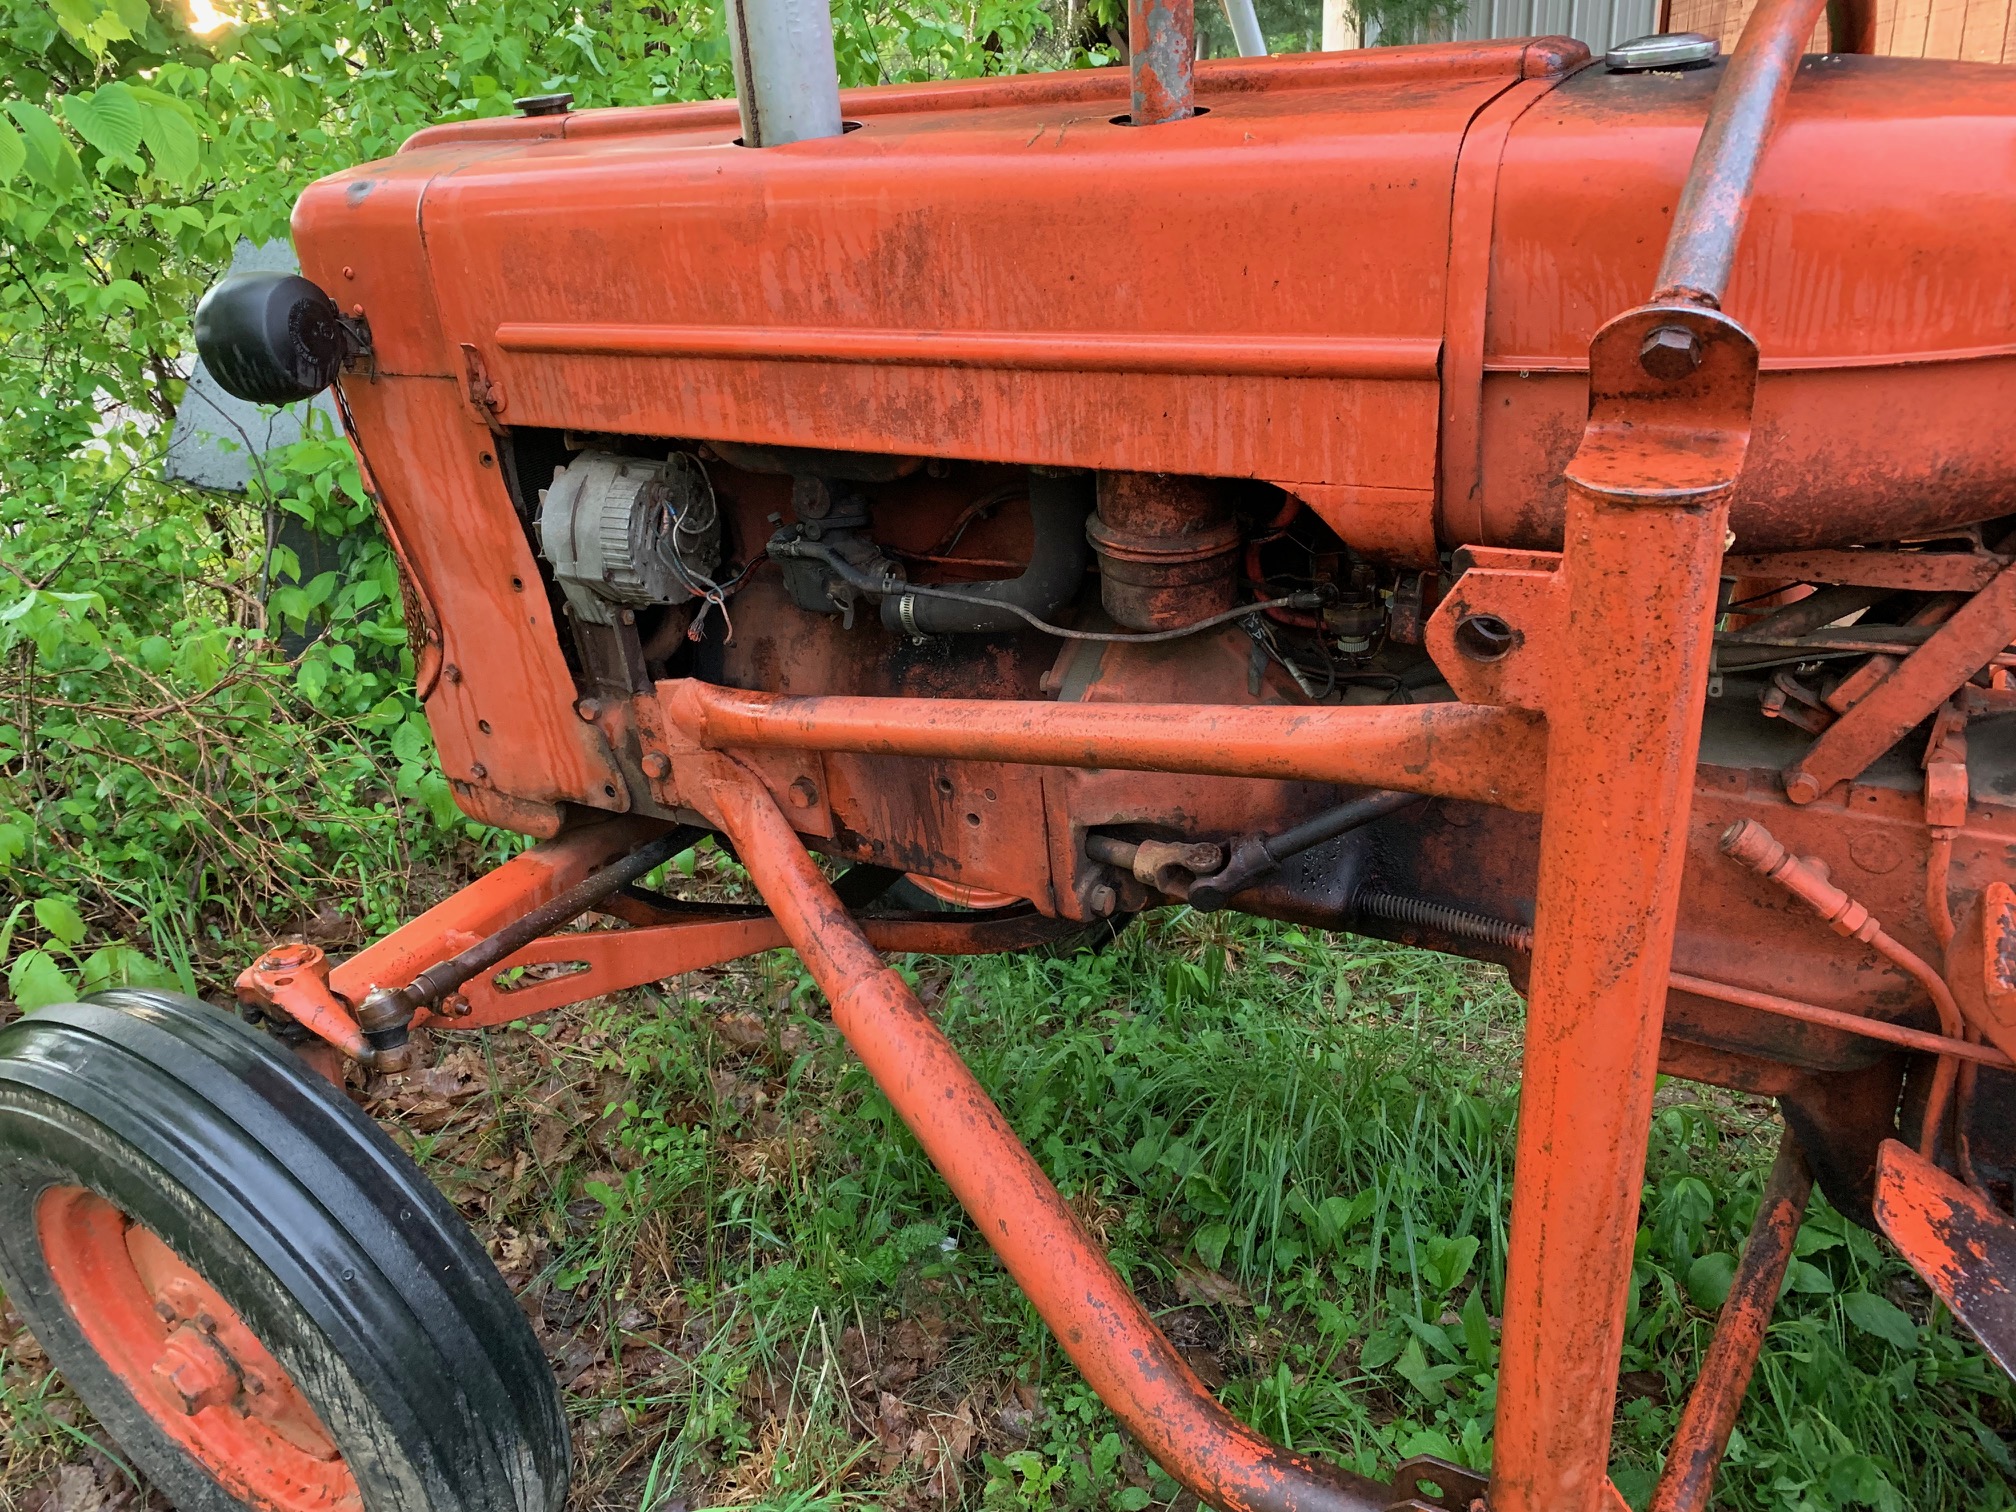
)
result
[(1258, 292), (502, 707), (1874, 274)]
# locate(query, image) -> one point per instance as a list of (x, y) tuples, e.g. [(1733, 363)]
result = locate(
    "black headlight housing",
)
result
[(272, 338)]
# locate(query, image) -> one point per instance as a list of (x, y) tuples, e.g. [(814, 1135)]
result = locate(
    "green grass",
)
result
[(1296, 1146)]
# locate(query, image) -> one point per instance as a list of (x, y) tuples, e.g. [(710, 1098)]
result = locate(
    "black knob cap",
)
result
[(272, 338), (544, 105)]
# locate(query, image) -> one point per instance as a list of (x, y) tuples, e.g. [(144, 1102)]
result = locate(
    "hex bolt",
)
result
[(802, 793), (589, 709), (1670, 353), (452, 672), (286, 957), (657, 765), (1102, 900), (194, 1374)]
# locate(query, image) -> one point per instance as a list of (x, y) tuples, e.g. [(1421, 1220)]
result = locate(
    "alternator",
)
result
[(628, 531)]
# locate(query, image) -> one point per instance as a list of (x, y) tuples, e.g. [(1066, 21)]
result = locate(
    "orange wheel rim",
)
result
[(189, 1360)]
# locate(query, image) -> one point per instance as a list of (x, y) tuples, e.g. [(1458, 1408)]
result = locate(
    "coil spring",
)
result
[(1425, 913)]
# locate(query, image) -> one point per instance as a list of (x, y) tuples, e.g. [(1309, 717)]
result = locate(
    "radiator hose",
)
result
[(1058, 557)]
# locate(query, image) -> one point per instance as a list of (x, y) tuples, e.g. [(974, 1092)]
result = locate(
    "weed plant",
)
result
[(1296, 1147)]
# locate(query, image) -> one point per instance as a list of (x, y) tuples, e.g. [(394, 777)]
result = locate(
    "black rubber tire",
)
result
[(330, 1243)]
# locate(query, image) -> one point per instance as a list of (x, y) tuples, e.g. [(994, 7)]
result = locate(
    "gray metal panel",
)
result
[(1599, 23)]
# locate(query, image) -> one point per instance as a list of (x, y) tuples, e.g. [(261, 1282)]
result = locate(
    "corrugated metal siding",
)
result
[(1600, 23)]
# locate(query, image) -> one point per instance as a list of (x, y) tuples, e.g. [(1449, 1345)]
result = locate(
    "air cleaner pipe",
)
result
[(1097, 1320), (1708, 224), (1162, 48), (786, 81)]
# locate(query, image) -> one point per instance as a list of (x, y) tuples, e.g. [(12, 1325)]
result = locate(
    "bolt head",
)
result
[(589, 709), (194, 1374), (1102, 900), (803, 794), (1670, 353), (293, 957), (657, 765)]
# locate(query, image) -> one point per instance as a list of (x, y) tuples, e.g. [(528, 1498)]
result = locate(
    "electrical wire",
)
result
[(855, 578), (672, 524)]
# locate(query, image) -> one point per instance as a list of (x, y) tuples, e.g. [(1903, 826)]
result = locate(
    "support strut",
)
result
[(1105, 1331), (1711, 1411)]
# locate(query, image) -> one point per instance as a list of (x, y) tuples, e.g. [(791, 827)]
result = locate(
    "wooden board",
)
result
[(1978, 31)]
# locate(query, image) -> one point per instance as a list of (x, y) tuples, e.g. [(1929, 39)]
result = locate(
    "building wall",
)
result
[(1978, 31)]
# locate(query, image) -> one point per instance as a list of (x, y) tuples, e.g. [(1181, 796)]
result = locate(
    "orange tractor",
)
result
[(1556, 510)]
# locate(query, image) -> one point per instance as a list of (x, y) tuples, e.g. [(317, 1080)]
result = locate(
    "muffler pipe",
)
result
[(786, 80)]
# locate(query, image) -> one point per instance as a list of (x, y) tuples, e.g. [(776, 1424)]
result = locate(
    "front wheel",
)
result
[(249, 1285)]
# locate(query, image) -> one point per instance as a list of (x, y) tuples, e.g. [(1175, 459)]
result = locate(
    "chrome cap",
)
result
[(1663, 50)]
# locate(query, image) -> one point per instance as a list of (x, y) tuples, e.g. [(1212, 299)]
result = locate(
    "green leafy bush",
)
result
[(175, 786)]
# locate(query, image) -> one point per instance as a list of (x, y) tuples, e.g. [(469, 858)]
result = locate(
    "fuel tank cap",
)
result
[(1663, 50)]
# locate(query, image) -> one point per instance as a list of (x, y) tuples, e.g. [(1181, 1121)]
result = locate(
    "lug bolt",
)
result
[(1670, 353)]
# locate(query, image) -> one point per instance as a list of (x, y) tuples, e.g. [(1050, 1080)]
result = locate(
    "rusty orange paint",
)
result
[(189, 1361), (1960, 1242), (1493, 756), (1755, 847), (1710, 1414), (293, 980), (612, 960), (1649, 500), (513, 889), (1959, 648), (1462, 379), (1105, 1331)]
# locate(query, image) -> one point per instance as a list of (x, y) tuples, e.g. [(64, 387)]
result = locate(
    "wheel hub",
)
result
[(189, 1360)]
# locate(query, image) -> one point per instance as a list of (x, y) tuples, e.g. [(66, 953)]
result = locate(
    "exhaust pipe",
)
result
[(786, 81)]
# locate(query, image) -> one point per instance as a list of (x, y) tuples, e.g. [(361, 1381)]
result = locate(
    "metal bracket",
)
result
[(1493, 634), (1454, 1489)]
